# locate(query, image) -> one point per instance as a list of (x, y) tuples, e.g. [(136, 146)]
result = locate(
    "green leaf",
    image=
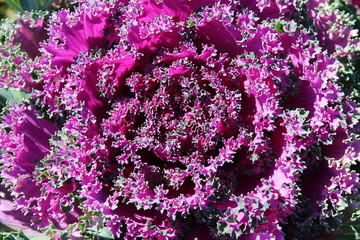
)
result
[(30, 5), (349, 232), (15, 4), (12, 95), (350, 228), (13, 235), (279, 26), (106, 233), (100, 234)]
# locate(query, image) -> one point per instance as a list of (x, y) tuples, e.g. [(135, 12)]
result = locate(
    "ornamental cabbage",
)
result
[(179, 119)]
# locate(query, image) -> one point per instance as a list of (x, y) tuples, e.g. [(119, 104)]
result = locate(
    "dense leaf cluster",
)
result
[(177, 119)]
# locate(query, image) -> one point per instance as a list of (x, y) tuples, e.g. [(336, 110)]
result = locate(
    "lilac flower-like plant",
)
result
[(181, 119)]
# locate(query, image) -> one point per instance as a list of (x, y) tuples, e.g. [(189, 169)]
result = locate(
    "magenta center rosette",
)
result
[(181, 120)]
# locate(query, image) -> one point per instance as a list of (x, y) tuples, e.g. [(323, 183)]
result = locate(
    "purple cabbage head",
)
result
[(177, 119)]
